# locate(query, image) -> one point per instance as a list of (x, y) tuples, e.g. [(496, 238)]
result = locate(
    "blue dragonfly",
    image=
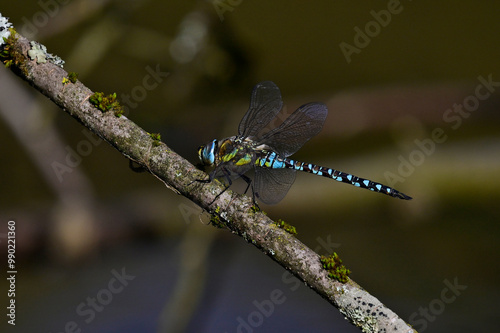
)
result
[(264, 145)]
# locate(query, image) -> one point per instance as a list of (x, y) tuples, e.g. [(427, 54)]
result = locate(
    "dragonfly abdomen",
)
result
[(273, 161)]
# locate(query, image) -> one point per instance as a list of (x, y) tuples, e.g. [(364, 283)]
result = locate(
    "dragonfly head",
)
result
[(207, 153)]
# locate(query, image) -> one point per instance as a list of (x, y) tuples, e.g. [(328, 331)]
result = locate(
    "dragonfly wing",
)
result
[(297, 129), (271, 185), (265, 104)]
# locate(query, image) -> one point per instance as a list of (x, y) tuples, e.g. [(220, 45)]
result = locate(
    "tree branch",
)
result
[(358, 306)]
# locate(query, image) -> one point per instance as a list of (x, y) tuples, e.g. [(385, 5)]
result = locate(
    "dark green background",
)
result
[(395, 91)]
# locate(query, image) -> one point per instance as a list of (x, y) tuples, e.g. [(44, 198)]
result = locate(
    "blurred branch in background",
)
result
[(73, 230), (188, 290)]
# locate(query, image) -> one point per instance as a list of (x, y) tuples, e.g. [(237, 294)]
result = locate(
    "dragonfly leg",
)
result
[(226, 174), (249, 182), (211, 177)]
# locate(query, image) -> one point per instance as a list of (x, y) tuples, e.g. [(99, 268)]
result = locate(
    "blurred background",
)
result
[(413, 102)]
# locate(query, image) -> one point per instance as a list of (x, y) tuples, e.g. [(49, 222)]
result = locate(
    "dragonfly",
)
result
[(264, 144)]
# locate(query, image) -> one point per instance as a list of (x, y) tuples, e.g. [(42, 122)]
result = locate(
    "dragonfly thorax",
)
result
[(230, 151)]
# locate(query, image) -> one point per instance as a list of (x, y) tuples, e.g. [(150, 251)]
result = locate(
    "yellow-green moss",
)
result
[(9, 55), (287, 227), (106, 103), (73, 77), (215, 218), (156, 139), (336, 270)]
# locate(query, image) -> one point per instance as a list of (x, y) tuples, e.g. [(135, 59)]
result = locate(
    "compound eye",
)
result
[(207, 153)]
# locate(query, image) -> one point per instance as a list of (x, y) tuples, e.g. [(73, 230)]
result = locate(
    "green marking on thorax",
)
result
[(247, 158)]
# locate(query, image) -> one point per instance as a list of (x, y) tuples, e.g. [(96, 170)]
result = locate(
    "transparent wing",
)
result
[(297, 129), (265, 104), (271, 185)]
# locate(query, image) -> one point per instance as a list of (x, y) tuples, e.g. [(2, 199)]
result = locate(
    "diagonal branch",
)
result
[(358, 306)]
